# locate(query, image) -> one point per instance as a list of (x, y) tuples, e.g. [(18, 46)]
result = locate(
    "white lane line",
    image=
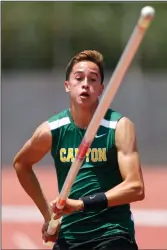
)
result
[(151, 217), (21, 214), (25, 214), (22, 241)]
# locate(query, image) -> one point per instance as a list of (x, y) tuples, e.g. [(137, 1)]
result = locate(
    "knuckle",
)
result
[(52, 203)]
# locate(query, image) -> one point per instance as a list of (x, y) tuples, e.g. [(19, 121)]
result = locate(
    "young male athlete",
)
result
[(97, 213)]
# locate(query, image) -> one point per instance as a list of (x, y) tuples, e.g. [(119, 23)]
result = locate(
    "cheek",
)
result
[(75, 86), (96, 91), (100, 91), (74, 90)]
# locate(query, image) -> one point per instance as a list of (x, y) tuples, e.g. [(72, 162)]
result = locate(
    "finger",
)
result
[(53, 203), (52, 238), (44, 237), (58, 216), (54, 209), (47, 237), (57, 210)]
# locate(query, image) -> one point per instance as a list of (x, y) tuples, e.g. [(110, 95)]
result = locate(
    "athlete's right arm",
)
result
[(32, 152)]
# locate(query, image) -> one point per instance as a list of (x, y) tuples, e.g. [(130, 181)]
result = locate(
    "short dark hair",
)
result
[(86, 55)]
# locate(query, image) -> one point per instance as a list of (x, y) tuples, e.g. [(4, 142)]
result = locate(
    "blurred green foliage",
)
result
[(38, 35)]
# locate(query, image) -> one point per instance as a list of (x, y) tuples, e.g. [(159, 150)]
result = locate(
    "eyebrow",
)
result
[(81, 71)]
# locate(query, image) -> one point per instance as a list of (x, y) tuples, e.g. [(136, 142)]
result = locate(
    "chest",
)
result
[(69, 142)]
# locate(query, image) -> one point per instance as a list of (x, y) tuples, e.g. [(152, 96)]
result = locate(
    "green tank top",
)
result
[(98, 173)]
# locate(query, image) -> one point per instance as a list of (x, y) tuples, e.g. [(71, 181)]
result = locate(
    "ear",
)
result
[(67, 86)]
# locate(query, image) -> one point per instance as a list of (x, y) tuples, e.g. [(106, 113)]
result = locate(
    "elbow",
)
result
[(21, 169), (17, 165), (21, 165), (139, 192)]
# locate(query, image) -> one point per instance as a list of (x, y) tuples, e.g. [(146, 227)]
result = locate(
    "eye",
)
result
[(78, 78)]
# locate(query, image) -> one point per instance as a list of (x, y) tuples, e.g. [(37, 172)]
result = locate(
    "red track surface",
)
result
[(26, 234)]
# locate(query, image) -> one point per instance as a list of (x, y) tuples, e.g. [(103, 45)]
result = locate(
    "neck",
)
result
[(82, 116)]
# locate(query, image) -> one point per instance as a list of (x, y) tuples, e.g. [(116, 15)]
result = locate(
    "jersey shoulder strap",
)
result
[(110, 119), (59, 120)]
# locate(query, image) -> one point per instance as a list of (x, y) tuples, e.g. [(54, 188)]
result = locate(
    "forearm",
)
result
[(124, 193), (29, 182)]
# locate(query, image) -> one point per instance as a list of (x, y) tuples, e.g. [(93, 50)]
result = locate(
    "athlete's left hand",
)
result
[(47, 237), (71, 206)]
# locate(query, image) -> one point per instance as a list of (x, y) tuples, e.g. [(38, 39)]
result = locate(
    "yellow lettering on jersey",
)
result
[(62, 155), (70, 156), (94, 155), (76, 151), (102, 154), (87, 155)]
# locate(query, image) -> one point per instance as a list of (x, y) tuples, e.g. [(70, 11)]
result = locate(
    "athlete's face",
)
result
[(84, 84)]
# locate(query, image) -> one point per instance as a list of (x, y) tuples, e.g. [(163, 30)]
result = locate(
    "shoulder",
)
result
[(59, 120), (36, 147), (125, 135), (42, 133), (124, 124)]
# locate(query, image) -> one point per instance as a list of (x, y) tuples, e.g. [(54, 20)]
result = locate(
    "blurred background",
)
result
[(37, 41)]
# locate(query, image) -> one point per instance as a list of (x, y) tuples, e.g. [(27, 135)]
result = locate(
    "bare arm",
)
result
[(132, 187), (32, 152)]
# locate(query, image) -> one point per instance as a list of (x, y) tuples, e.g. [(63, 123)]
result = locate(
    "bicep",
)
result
[(36, 147), (129, 165), (128, 155)]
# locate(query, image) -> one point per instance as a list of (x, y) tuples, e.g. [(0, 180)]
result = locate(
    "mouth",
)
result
[(84, 95)]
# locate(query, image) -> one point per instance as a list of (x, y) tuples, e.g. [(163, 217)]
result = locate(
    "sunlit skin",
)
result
[(85, 87)]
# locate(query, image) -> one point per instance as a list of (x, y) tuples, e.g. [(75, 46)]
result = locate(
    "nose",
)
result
[(85, 83)]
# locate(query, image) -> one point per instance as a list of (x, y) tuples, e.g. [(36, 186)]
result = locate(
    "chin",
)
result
[(84, 105)]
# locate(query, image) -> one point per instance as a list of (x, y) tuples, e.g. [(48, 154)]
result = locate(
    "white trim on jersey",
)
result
[(66, 120), (59, 123), (108, 124)]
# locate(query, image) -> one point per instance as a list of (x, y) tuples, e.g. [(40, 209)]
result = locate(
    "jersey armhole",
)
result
[(53, 134), (115, 131)]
